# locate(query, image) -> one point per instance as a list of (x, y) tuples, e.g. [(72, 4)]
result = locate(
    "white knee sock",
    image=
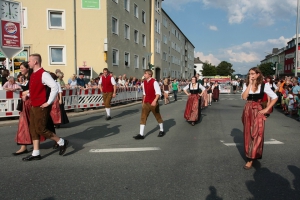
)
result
[(142, 127), (61, 142), (35, 152), (107, 111), (161, 127)]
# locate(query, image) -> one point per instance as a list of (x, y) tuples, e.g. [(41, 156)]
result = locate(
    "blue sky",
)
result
[(241, 32)]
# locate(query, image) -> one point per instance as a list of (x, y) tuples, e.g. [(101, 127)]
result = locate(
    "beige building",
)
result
[(124, 36)]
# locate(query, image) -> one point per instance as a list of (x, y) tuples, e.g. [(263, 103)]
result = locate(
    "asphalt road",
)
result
[(204, 161)]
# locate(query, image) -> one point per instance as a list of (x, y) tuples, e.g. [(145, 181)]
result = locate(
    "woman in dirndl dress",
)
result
[(253, 117), (192, 111), (204, 97), (216, 91)]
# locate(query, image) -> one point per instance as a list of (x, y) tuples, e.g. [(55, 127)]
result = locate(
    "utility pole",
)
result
[(296, 52)]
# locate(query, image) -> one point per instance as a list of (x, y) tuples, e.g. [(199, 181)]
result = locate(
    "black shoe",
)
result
[(31, 158), (138, 137), (55, 145), (193, 123), (161, 134), (62, 149), (19, 153), (108, 118)]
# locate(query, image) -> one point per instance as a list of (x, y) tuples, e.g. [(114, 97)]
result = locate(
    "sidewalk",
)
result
[(15, 121)]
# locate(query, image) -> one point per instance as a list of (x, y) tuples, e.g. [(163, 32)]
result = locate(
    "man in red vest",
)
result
[(107, 85), (41, 106), (151, 94)]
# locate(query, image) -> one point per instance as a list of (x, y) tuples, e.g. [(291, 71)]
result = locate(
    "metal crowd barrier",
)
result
[(72, 98)]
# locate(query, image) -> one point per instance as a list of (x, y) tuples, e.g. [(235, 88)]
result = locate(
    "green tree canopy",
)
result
[(266, 69), (224, 69), (208, 69)]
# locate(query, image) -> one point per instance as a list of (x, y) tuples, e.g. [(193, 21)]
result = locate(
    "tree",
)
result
[(266, 69), (224, 69), (208, 69)]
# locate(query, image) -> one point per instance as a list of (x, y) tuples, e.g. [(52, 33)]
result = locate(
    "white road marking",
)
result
[(124, 149), (272, 141)]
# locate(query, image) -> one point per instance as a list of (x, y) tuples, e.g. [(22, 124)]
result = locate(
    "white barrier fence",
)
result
[(73, 99)]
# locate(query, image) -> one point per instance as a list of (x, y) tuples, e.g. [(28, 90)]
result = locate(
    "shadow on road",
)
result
[(126, 112), (238, 138), (269, 185), (296, 183), (167, 125), (78, 140), (80, 122), (213, 194)]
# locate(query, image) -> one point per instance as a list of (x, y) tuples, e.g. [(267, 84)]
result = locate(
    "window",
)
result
[(127, 32), (136, 11), (157, 5), (136, 61), (114, 25), (157, 26), (164, 56), (136, 36), (157, 46), (57, 55), (126, 5), (144, 40), (24, 18), (115, 57), (144, 63), (165, 39), (143, 17), (127, 59), (56, 19)]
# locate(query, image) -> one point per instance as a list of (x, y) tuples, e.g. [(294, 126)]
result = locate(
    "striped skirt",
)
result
[(254, 125)]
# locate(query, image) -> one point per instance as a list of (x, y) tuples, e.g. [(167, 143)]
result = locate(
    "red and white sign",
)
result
[(11, 34)]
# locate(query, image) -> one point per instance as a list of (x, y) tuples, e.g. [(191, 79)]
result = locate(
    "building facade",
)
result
[(124, 36)]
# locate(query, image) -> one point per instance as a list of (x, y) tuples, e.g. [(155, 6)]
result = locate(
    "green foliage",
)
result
[(208, 69), (267, 69), (224, 69)]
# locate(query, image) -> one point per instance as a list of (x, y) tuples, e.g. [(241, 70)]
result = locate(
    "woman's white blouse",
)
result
[(267, 90), (196, 88), (274, 85)]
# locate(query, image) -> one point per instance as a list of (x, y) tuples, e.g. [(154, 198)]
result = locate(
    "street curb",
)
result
[(75, 114)]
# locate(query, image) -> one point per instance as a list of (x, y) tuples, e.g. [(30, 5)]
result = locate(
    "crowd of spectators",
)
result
[(287, 89)]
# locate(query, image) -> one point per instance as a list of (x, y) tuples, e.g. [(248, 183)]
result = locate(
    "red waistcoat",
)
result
[(107, 86), (37, 89), (149, 91)]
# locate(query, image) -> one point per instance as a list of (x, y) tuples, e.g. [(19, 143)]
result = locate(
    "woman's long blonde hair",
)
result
[(166, 81), (259, 79)]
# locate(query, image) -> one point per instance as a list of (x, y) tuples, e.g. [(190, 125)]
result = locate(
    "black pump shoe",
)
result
[(19, 153)]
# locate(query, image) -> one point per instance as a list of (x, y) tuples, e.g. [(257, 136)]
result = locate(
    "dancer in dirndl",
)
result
[(216, 91), (192, 111), (253, 117)]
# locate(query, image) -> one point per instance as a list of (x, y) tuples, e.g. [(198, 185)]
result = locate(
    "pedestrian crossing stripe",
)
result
[(271, 141)]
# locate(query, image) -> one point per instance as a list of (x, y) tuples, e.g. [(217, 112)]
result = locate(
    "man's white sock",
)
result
[(35, 152), (107, 111), (61, 142), (142, 127), (161, 127)]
